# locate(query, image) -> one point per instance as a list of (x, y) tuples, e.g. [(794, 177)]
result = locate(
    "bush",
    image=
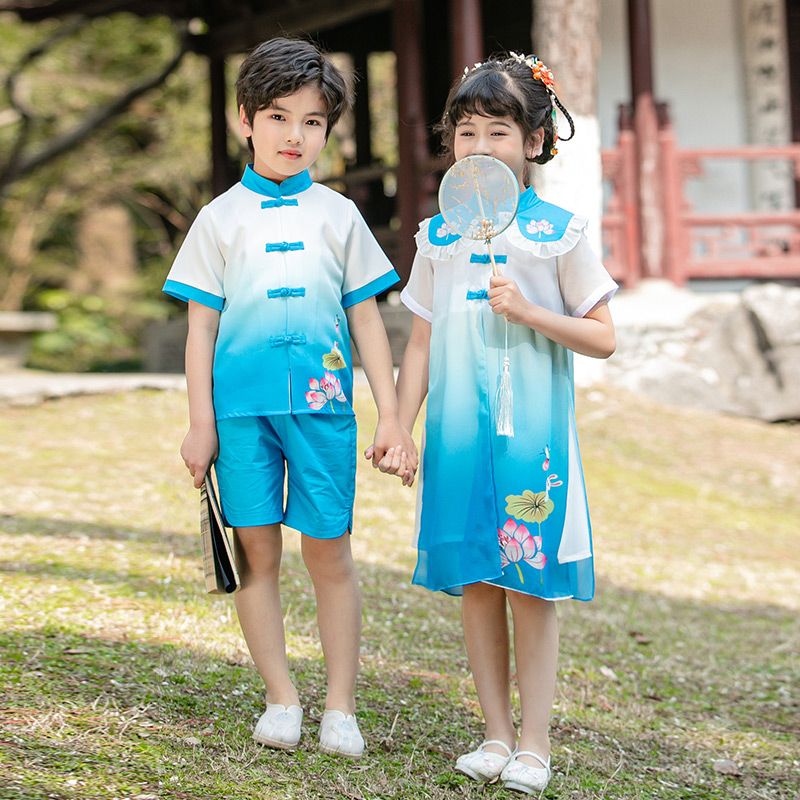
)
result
[(91, 336)]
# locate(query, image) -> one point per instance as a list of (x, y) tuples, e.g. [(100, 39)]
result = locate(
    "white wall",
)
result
[(696, 54)]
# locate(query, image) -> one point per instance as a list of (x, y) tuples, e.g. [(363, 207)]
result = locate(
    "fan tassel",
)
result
[(505, 403)]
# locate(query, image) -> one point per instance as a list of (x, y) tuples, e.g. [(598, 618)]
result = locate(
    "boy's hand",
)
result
[(393, 450), (505, 298), (198, 450)]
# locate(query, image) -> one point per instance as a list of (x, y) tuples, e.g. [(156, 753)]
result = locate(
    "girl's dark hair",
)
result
[(503, 86), (280, 67)]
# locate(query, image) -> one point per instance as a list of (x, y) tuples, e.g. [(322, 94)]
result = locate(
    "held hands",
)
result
[(393, 451), (198, 450), (505, 298)]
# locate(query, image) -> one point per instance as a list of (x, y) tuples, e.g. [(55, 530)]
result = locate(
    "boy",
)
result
[(278, 272)]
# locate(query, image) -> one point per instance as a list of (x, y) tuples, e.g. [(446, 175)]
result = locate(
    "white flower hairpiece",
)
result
[(467, 70), (538, 70)]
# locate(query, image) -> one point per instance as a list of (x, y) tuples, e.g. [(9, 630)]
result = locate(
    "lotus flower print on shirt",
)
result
[(334, 359), (517, 544), (324, 391)]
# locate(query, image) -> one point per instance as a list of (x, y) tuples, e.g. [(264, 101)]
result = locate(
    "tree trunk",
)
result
[(566, 36), (107, 253), (28, 223)]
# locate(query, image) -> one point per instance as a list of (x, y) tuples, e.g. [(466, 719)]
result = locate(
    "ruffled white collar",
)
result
[(540, 228)]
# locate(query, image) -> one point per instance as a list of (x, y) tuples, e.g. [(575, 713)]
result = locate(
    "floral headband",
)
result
[(539, 72)]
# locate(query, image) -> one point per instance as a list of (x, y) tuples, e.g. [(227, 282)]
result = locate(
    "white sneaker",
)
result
[(279, 726), (484, 766), (525, 778), (339, 735)]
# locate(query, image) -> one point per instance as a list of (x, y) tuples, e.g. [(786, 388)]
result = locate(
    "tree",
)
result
[(21, 161), (79, 134), (566, 36)]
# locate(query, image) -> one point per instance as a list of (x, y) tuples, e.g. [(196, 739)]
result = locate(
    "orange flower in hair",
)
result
[(542, 73)]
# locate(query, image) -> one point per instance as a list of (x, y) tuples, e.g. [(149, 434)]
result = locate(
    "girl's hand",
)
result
[(393, 450), (395, 462), (198, 450), (505, 298)]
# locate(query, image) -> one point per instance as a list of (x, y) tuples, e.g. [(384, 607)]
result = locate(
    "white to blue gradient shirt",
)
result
[(281, 262)]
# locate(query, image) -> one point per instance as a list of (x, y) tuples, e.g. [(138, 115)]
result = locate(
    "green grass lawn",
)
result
[(121, 678)]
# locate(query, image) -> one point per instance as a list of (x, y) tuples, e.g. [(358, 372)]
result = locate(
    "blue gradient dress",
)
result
[(506, 511)]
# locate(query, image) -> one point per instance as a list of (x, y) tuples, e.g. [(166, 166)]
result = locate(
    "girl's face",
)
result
[(288, 135), (499, 137)]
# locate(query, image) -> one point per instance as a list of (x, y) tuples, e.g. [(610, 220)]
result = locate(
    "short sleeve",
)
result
[(198, 269), (583, 279), (418, 294), (367, 270)]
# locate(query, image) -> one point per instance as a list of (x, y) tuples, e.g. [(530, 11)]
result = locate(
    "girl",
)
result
[(504, 520)]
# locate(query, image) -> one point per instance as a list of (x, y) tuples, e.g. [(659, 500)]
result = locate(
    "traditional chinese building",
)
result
[(698, 106)]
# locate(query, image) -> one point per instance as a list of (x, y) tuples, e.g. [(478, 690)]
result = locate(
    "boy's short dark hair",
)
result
[(280, 67)]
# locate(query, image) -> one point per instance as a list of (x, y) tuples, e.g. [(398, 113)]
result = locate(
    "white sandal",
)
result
[(484, 766), (522, 777)]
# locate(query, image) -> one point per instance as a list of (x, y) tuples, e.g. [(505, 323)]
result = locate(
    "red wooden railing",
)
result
[(751, 244)]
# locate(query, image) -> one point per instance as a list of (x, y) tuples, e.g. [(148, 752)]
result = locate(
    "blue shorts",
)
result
[(319, 454)]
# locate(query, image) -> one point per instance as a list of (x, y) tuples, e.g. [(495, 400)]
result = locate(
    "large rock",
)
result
[(739, 354), (775, 318)]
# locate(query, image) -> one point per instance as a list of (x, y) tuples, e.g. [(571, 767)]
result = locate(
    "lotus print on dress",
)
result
[(444, 231), (539, 227), (530, 506), (517, 544)]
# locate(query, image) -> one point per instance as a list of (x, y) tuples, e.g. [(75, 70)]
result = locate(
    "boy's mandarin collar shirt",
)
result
[(281, 262), (287, 187)]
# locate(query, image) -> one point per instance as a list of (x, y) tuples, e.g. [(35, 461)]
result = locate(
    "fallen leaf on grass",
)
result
[(609, 673)]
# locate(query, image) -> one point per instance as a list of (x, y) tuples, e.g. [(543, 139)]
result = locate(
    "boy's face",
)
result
[(287, 135)]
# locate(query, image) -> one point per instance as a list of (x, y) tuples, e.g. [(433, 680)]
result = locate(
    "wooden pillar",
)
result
[(411, 132), (645, 124), (793, 42), (220, 167), (361, 109), (640, 48), (466, 34), (361, 192)]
